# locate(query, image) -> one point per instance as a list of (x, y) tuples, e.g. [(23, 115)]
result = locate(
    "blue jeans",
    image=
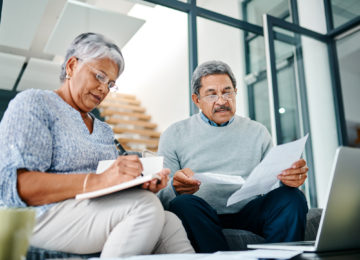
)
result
[(279, 216)]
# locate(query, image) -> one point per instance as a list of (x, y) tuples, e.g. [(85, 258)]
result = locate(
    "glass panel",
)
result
[(344, 11), (261, 103), (221, 42), (254, 10), (288, 107), (230, 8), (257, 54), (349, 55), (257, 82), (306, 104)]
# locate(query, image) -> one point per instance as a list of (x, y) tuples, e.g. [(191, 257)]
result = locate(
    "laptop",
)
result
[(339, 227)]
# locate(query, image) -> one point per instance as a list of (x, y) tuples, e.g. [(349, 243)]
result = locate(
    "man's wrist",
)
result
[(172, 186)]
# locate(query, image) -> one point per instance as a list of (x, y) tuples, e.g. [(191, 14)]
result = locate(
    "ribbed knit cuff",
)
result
[(172, 186)]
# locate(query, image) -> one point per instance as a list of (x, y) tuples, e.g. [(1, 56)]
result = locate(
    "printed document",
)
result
[(264, 176), (217, 178), (151, 166)]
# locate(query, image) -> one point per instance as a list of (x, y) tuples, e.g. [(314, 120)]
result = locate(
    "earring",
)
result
[(67, 76)]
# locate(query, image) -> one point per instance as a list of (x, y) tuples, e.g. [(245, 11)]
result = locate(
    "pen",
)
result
[(122, 151)]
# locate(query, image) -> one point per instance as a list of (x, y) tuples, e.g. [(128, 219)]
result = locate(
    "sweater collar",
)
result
[(212, 123)]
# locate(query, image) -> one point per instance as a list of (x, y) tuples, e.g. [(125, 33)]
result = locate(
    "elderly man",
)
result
[(218, 141)]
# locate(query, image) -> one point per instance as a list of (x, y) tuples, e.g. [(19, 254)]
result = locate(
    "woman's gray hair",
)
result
[(210, 68), (91, 46)]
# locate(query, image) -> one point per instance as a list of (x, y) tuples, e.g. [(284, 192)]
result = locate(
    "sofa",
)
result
[(237, 240)]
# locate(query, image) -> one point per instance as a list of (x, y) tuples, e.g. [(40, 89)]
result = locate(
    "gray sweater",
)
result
[(234, 149)]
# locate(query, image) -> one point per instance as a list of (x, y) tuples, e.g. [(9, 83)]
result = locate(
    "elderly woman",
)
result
[(50, 147)]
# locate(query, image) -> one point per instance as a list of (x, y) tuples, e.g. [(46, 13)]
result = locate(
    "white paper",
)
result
[(264, 176), (263, 253), (216, 178), (151, 166), (230, 255)]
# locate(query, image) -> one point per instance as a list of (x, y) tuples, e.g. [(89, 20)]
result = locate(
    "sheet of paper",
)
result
[(263, 178), (260, 254), (151, 165), (231, 255), (216, 178)]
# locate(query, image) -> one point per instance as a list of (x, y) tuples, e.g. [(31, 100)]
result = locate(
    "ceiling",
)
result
[(34, 35)]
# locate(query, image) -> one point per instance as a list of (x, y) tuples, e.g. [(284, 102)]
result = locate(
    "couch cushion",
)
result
[(312, 225), (238, 239), (35, 253)]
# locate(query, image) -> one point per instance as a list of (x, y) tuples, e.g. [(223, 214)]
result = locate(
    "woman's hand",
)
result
[(156, 184), (125, 168)]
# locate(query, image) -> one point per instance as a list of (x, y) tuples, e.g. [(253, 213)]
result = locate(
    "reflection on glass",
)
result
[(349, 55), (261, 103), (257, 54), (230, 8), (287, 90), (255, 9), (288, 107), (344, 11), (256, 81)]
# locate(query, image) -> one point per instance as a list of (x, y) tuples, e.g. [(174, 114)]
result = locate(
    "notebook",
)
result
[(339, 227), (151, 165)]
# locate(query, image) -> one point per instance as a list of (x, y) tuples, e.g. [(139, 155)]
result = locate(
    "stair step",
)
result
[(120, 130), (112, 112), (106, 104), (121, 95), (152, 142), (114, 121), (122, 100)]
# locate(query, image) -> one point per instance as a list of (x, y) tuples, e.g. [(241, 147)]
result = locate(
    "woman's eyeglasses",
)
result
[(103, 78)]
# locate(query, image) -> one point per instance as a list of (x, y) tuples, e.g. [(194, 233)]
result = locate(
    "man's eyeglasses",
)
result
[(213, 98), (102, 78)]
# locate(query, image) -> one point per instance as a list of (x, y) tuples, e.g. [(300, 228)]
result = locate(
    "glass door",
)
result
[(289, 115)]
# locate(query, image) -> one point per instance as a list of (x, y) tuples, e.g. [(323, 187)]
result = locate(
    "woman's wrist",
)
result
[(85, 181)]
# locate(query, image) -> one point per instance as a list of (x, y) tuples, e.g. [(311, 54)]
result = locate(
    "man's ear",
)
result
[(71, 65), (195, 99)]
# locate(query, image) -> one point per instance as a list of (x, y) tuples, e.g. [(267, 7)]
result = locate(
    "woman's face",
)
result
[(86, 89)]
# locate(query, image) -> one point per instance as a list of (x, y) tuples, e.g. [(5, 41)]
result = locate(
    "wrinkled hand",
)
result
[(156, 184), (184, 183), (125, 168), (296, 175)]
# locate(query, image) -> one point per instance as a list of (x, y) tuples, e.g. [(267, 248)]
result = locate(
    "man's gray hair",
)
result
[(91, 46), (210, 68)]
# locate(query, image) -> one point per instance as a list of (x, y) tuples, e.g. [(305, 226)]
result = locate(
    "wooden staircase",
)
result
[(130, 123)]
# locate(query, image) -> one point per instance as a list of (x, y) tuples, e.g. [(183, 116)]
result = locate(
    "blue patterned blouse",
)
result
[(41, 132)]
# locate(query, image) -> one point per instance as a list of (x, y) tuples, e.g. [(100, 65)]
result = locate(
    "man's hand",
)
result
[(296, 175), (156, 184), (184, 183)]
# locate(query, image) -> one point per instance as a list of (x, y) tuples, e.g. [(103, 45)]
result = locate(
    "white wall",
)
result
[(320, 96), (221, 42), (156, 66)]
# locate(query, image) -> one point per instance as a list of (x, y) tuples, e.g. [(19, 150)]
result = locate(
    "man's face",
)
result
[(222, 109)]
